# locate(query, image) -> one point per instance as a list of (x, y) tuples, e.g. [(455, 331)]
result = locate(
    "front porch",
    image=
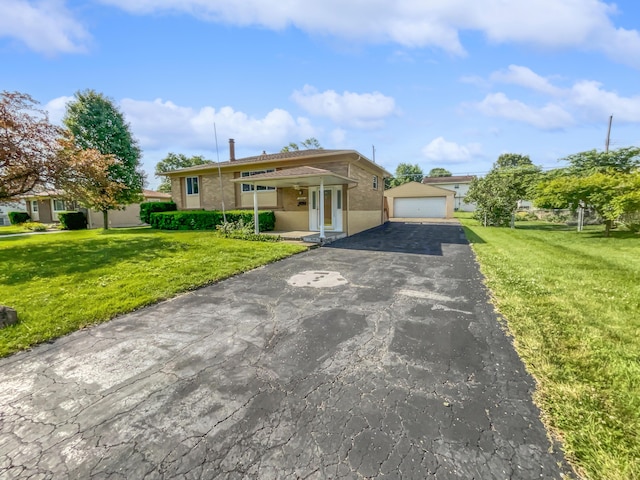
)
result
[(307, 236), (323, 202)]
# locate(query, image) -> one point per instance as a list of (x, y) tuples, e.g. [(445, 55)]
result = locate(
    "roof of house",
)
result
[(154, 194), (276, 157), (452, 179), (301, 176), (60, 193)]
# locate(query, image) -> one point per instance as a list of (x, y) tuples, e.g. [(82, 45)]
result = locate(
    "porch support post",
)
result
[(321, 202), (256, 224)]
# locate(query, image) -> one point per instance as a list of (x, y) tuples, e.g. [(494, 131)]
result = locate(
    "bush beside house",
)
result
[(209, 220), (17, 218), (72, 220), (147, 208)]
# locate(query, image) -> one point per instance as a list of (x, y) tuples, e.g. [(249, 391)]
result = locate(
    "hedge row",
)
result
[(72, 220), (147, 208), (18, 217), (208, 220)]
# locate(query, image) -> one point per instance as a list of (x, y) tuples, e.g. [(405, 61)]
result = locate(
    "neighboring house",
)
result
[(5, 208), (457, 184), (309, 190), (45, 206), (129, 216), (416, 200)]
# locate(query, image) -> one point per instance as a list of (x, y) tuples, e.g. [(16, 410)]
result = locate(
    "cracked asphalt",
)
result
[(384, 360)]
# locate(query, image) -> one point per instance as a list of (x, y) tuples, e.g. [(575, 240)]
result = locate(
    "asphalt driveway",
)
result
[(377, 356)]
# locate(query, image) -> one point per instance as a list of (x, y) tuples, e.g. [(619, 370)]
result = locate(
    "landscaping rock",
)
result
[(8, 316)]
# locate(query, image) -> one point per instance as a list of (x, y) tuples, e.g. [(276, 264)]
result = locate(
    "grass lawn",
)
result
[(572, 303), (11, 229), (61, 282)]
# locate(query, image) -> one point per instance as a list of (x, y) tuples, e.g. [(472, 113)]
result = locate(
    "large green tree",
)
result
[(511, 160), (97, 124), (28, 144), (175, 161), (608, 182), (512, 178), (84, 176), (405, 173), (439, 172)]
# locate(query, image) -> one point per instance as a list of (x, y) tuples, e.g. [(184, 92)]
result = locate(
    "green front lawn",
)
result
[(61, 282), (12, 229), (572, 303)]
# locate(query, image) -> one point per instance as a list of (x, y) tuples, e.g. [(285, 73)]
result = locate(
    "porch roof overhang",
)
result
[(297, 177)]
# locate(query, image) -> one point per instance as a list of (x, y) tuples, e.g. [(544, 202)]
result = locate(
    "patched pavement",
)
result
[(377, 356)]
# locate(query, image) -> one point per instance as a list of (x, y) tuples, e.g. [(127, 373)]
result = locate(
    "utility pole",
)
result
[(373, 148), (606, 145)]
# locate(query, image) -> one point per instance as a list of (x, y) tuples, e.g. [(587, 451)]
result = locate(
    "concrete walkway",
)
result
[(377, 356)]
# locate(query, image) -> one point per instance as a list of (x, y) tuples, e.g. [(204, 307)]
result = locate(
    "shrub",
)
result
[(227, 228), (526, 216), (557, 218), (18, 217), (35, 226), (147, 208), (208, 220), (72, 220), (243, 231), (631, 221)]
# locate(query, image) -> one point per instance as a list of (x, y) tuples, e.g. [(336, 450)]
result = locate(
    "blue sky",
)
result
[(438, 83)]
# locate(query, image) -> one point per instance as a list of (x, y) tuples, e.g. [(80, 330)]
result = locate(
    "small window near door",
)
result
[(339, 199), (34, 205), (375, 182), (313, 200), (192, 186)]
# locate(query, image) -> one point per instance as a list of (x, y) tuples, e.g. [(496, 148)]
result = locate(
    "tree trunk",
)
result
[(512, 222), (105, 219), (607, 227)]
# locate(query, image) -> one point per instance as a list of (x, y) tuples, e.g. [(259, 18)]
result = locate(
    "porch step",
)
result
[(329, 237)]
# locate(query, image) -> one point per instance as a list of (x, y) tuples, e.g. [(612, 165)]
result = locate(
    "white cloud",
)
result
[(582, 24), (441, 150), (363, 110), (163, 124), (525, 77), (597, 104), (45, 26), (56, 109), (338, 137), (585, 101), (549, 117)]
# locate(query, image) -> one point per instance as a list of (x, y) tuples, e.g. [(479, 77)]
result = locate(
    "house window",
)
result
[(456, 186), (34, 205), (247, 187), (339, 199), (192, 186), (58, 205), (375, 182)]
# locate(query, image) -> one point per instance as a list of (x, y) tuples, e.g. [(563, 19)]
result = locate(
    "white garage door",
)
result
[(421, 207)]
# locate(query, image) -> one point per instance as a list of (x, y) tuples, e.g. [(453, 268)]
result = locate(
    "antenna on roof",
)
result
[(373, 148), (224, 214)]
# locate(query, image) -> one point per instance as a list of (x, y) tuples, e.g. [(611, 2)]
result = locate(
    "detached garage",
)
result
[(417, 200)]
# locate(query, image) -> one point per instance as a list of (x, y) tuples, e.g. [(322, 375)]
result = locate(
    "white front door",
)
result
[(35, 213), (332, 202)]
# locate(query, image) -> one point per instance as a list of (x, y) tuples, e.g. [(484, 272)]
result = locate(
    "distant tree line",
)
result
[(607, 182)]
